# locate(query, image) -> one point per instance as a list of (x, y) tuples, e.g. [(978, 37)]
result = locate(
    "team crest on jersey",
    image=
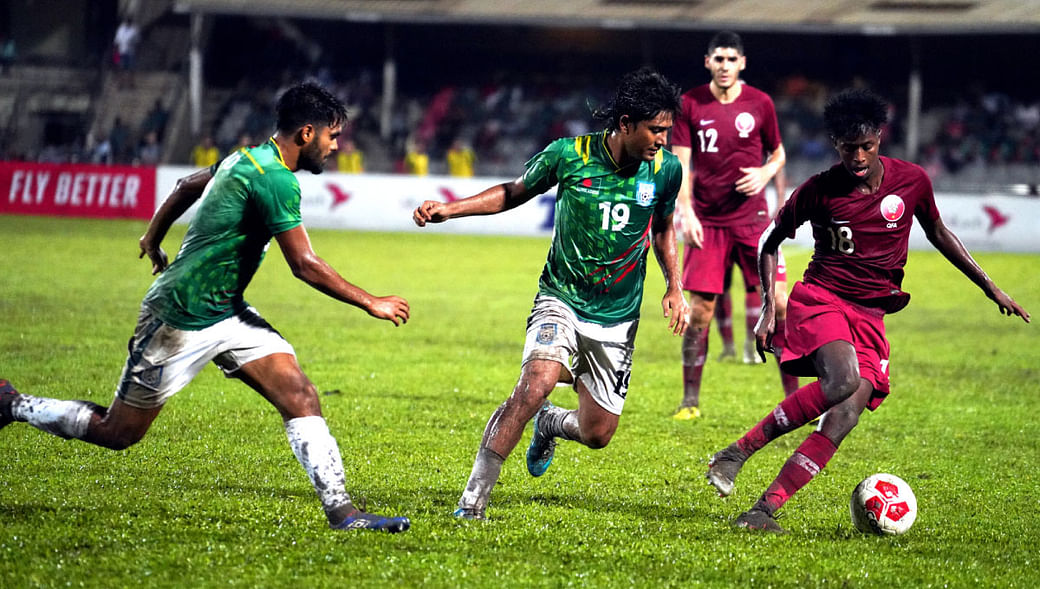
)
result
[(745, 123), (546, 333), (645, 193), (892, 208)]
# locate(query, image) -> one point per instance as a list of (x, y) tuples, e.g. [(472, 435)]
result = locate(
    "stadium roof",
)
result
[(879, 17)]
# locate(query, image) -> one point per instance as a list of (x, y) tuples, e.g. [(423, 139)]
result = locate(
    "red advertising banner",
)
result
[(70, 190)]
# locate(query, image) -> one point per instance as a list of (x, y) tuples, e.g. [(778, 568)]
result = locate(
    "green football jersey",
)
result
[(601, 234), (252, 197)]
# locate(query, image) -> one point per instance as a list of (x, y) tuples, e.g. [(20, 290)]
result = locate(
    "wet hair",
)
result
[(641, 95), (726, 40), (854, 112), (309, 104)]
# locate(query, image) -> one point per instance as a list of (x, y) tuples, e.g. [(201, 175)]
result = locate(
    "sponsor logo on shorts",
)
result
[(745, 123), (150, 376), (645, 193), (546, 333)]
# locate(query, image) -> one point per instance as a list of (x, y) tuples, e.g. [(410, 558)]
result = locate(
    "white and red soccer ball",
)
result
[(883, 504)]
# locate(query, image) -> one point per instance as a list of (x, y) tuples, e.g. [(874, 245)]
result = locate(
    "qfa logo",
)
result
[(892, 209), (745, 123)]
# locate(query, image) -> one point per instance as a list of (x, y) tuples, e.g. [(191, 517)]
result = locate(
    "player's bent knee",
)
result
[(597, 440)]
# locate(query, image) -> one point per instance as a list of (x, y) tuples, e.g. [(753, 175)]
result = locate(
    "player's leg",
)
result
[(502, 433), (695, 353), (703, 274), (161, 361), (116, 427), (603, 365), (837, 364), (808, 460), (279, 379), (724, 316)]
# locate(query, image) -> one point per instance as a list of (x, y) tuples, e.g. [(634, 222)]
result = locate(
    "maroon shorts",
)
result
[(704, 268), (816, 316)]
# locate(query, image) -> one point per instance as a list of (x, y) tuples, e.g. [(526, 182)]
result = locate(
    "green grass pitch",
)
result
[(214, 497)]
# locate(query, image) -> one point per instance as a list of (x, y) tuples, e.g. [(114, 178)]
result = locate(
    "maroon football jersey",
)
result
[(723, 139), (861, 239)]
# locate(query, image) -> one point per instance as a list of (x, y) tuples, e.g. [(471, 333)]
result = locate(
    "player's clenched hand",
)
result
[(764, 331), (1007, 305), (676, 311), (429, 211), (753, 181), (155, 254), (391, 308)]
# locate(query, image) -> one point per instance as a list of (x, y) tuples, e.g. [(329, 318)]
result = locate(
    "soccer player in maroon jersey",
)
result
[(861, 211), (728, 128)]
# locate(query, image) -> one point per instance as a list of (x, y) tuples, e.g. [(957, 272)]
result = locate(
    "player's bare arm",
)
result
[(692, 231), (187, 190), (951, 247), (755, 179), (673, 303), (312, 269), (768, 246), (498, 198)]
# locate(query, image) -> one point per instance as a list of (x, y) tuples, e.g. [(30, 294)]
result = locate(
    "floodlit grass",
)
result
[(213, 496)]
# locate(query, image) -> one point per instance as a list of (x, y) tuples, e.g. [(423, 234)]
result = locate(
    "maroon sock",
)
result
[(790, 383), (694, 351), (752, 311), (796, 410), (724, 319), (806, 462)]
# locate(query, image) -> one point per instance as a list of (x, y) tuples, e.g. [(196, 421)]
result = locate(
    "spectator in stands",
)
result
[(417, 161), (149, 152), (119, 142), (124, 50), (156, 120), (460, 159), (7, 53), (205, 153), (349, 159)]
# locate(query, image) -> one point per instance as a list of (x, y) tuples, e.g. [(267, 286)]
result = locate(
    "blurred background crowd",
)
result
[(481, 99)]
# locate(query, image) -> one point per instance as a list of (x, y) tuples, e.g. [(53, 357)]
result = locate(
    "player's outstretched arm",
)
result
[(187, 190), (951, 247), (310, 268), (674, 303), (498, 198)]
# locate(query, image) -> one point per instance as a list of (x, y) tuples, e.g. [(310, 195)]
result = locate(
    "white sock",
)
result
[(318, 452), (486, 468), (66, 419)]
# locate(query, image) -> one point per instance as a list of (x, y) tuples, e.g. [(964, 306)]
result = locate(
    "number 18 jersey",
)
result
[(603, 215)]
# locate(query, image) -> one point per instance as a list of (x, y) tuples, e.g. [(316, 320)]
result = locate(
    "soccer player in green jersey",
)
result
[(195, 312), (614, 201)]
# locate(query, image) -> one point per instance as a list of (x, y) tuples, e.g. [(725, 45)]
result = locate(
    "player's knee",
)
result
[(839, 386), (838, 422), (120, 439)]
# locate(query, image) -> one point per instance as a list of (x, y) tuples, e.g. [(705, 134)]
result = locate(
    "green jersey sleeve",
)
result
[(277, 198), (542, 171)]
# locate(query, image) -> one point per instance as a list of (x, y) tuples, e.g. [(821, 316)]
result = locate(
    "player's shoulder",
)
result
[(903, 167), (698, 95)]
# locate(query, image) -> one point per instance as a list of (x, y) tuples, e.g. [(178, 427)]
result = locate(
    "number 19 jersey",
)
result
[(602, 228)]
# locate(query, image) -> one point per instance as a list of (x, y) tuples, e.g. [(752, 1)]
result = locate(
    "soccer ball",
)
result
[(883, 504)]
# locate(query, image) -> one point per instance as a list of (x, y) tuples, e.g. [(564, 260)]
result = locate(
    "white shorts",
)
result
[(163, 359), (598, 356)]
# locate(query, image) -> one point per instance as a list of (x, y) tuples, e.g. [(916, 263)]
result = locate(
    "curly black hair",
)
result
[(854, 112), (642, 95), (309, 104)]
